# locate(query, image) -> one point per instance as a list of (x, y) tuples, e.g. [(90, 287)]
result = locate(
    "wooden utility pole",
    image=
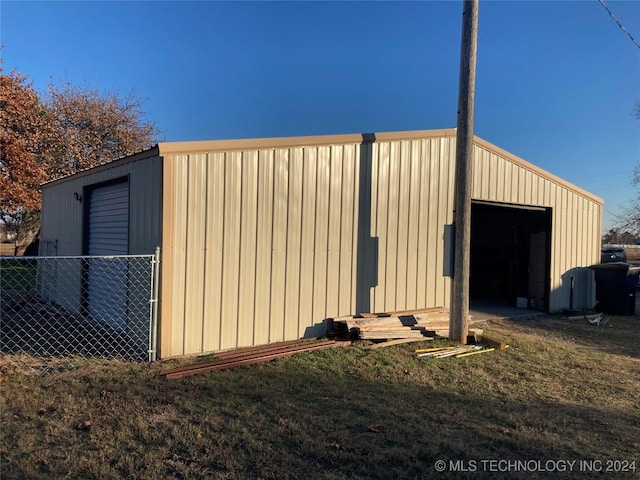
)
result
[(459, 320)]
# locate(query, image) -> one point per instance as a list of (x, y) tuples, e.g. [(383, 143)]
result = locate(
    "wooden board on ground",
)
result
[(493, 342), (399, 341), (401, 313), (390, 335)]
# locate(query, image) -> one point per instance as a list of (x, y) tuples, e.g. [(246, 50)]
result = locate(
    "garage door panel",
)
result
[(108, 231)]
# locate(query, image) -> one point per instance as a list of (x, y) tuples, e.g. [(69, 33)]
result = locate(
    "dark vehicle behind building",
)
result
[(613, 254)]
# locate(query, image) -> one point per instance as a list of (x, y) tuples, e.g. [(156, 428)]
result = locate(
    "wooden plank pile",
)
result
[(424, 324)]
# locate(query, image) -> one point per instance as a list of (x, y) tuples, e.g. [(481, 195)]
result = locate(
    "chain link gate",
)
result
[(79, 306)]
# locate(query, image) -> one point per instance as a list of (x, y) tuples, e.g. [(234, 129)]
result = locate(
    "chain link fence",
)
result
[(88, 307)]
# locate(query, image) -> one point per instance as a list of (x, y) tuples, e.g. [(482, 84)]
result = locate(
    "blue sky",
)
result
[(556, 81)]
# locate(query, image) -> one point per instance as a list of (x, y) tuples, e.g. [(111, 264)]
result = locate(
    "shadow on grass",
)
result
[(326, 415), (32, 326), (379, 430), (619, 336)]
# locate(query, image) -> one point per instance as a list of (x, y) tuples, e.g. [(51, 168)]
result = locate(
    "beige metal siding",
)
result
[(62, 214), (62, 218), (277, 250), (272, 256), (412, 201), (263, 239), (576, 218)]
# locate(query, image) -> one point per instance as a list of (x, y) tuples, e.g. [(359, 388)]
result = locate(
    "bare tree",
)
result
[(95, 128), (628, 219), (71, 129)]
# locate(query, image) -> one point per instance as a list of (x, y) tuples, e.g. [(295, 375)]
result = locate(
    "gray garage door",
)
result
[(108, 235)]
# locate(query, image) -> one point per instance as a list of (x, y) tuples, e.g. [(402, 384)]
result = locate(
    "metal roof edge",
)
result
[(148, 153), (177, 148), (415, 134), (535, 169)]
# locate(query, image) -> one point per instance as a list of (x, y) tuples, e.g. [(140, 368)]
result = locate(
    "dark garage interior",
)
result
[(510, 255)]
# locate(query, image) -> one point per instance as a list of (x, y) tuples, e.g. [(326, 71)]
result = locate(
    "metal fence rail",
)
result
[(86, 306)]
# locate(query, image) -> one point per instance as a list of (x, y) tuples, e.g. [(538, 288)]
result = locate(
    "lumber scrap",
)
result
[(241, 352), (482, 350), (434, 311), (249, 358), (434, 349), (451, 352), (392, 334), (398, 341), (430, 310), (441, 332), (428, 322), (457, 351), (377, 332), (391, 321), (492, 342), (400, 328)]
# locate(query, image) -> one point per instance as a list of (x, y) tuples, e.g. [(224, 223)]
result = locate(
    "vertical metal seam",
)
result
[(186, 256), (386, 227), (408, 253), (254, 321), (415, 148), (272, 209), (357, 154), (328, 251), (302, 205), (424, 227), (420, 226), (222, 262), (315, 239), (397, 233), (240, 251), (376, 291), (435, 166), (286, 246), (204, 262), (341, 189)]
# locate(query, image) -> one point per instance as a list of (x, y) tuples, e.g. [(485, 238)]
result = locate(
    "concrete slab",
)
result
[(481, 310)]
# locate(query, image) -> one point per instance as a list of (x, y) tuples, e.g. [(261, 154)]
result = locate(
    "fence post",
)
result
[(153, 306)]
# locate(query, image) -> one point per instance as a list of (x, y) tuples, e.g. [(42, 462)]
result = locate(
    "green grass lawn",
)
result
[(564, 391), (17, 274)]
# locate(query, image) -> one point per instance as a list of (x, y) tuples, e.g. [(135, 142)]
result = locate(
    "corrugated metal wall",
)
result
[(263, 239), (63, 217), (62, 214), (262, 243), (576, 217), (412, 200)]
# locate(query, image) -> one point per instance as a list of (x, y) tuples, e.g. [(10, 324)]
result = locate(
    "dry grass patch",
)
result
[(563, 390)]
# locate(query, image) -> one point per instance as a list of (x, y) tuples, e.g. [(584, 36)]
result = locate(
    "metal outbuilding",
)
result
[(262, 239)]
